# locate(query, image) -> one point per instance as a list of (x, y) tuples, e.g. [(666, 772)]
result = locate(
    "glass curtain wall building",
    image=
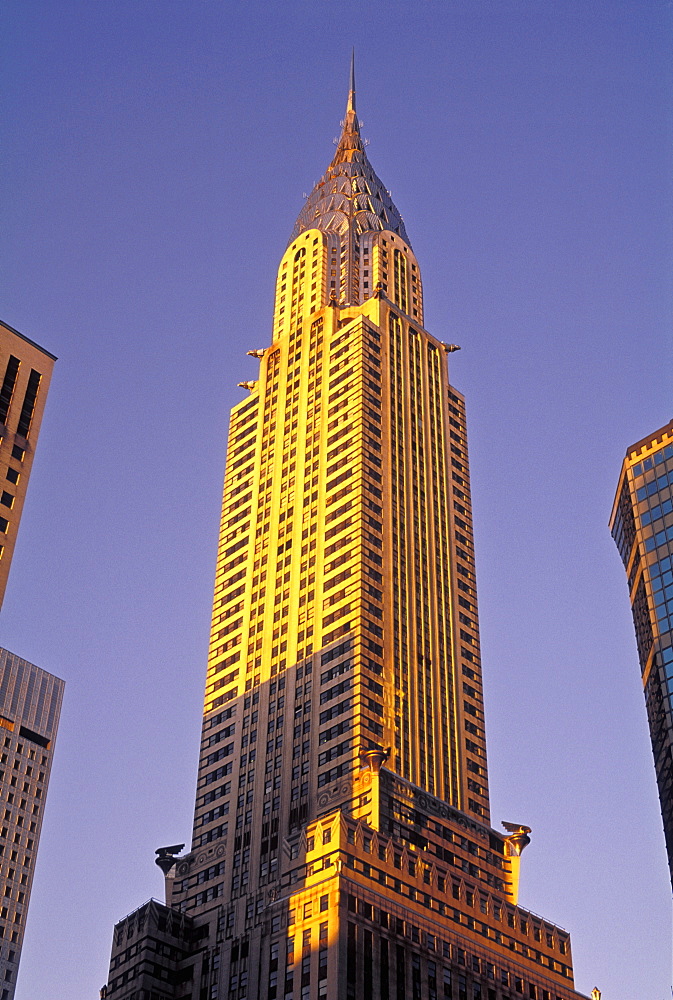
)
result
[(642, 527), (341, 844)]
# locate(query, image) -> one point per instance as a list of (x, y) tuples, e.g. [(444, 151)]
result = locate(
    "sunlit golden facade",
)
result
[(346, 501), (325, 535), (341, 845)]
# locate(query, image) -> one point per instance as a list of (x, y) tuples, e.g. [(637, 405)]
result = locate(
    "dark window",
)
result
[(6, 498), (8, 383), (12, 475), (18, 453), (34, 737), (28, 407)]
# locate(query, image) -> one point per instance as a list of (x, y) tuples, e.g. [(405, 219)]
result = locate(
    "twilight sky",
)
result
[(155, 156)]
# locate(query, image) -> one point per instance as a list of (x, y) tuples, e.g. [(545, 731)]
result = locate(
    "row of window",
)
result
[(429, 940), (659, 538), (656, 459), (656, 512), (662, 482)]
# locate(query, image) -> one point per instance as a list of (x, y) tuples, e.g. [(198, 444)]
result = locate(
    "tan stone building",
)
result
[(25, 371), (30, 706), (342, 846), (30, 698)]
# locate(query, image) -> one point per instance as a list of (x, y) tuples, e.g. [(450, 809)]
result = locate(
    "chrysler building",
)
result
[(342, 846)]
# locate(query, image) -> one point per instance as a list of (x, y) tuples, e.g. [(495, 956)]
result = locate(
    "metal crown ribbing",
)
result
[(350, 196)]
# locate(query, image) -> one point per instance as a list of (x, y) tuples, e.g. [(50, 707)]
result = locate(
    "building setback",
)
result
[(642, 527), (30, 705), (25, 371), (342, 845)]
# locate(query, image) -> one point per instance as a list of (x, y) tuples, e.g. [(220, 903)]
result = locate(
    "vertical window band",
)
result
[(8, 384), (28, 408)]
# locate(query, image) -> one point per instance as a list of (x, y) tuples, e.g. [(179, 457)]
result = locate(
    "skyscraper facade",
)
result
[(642, 527), (25, 370), (30, 698), (30, 705), (342, 845)]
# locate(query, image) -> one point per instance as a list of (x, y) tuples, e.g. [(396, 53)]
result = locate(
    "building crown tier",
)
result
[(351, 206)]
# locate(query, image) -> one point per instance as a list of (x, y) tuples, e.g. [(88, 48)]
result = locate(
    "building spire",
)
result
[(350, 195), (350, 106), (351, 125)]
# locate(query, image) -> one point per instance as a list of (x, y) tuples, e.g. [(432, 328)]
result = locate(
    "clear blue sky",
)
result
[(155, 155)]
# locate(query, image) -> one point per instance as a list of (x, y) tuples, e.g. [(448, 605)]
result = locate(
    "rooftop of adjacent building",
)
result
[(645, 449), (32, 343), (30, 695), (659, 436)]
